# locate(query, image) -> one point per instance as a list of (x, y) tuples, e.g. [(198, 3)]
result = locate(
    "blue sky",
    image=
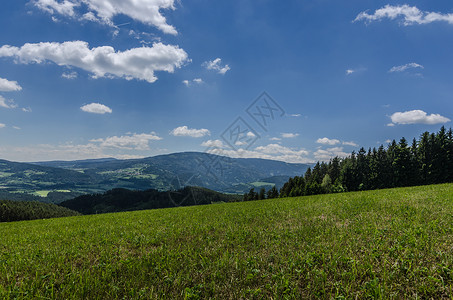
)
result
[(120, 78)]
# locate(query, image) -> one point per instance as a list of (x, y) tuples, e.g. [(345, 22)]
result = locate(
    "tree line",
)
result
[(31, 210), (120, 199), (428, 160)]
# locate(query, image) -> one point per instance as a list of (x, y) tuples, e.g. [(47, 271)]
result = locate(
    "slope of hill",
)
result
[(382, 244), (60, 180), (20, 210), (118, 200)]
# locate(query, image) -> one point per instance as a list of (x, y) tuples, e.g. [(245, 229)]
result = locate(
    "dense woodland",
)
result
[(428, 160), (118, 200), (31, 210)]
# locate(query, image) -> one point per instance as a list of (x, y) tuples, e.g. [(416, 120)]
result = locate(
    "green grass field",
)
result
[(394, 243)]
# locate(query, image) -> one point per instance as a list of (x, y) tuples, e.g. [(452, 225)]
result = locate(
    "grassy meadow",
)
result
[(395, 243)]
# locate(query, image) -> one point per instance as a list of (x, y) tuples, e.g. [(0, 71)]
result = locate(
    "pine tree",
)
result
[(272, 193), (334, 168)]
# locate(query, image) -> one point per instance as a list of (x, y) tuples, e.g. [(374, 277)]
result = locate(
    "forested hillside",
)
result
[(117, 200), (25, 210), (428, 160)]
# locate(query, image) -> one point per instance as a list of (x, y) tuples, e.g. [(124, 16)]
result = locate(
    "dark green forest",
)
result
[(428, 160), (118, 200), (31, 210)]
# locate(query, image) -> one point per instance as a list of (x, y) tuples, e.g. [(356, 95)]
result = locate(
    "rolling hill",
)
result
[(56, 181), (382, 244)]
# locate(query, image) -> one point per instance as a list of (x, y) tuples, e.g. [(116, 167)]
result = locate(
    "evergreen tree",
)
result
[(334, 169), (326, 184), (272, 193)]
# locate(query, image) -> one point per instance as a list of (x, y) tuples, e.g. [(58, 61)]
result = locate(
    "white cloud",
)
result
[(215, 65), (7, 103), (129, 142), (409, 14), (405, 67), (275, 139), (26, 109), (196, 81), (64, 8), (103, 11), (186, 131), (327, 154), (213, 144), (9, 86), (350, 144), (417, 117), (69, 75), (16, 127), (137, 63), (96, 108), (349, 71), (289, 135), (388, 141), (327, 141), (271, 151), (2, 125), (295, 115)]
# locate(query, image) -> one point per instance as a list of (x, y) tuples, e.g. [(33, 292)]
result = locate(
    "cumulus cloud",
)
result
[(64, 8), (417, 117), (289, 135), (103, 11), (137, 63), (403, 68), (7, 103), (275, 139), (26, 109), (2, 125), (213, 144), (69, 75), (350, 144), (9, 86), (128, 142), (349, 71), (96, 108), (327, 154), (271, 151), (186, 131), (327, 141), (196, 81), (410, 15), (216, 66)]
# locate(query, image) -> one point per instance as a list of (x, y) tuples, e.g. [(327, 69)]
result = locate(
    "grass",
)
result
[(395, 243), (41, 193), (44, 194), (259, 184)]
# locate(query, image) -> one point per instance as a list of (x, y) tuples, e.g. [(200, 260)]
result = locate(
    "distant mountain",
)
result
[(118, 200), (62, 180)]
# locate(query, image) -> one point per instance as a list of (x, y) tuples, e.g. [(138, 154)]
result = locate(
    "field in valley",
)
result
[(395, 243)]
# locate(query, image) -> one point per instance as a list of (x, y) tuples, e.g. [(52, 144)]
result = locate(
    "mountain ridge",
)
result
[(68, 179)]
